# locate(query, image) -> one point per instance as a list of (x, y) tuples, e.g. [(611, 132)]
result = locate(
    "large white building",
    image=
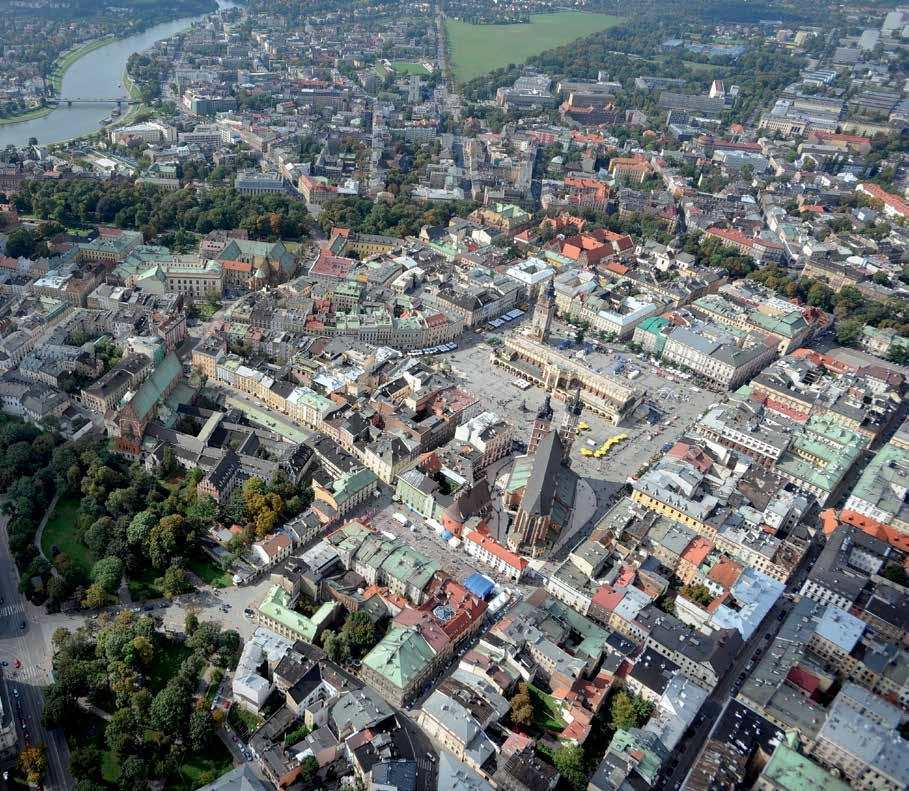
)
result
[(147, 132), (250, 687)]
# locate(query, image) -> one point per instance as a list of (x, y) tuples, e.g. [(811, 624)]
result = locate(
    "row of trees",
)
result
[(404, 217), (129, 205)]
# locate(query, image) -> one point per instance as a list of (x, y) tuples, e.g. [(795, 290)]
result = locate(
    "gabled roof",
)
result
[(154, 388), (542, 486)]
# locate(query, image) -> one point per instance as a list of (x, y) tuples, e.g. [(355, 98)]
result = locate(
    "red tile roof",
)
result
[(495, 548)]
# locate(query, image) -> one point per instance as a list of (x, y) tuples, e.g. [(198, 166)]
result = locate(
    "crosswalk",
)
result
[(11, 609), (25, 674)]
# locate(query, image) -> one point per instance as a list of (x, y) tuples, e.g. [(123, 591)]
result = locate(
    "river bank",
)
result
[(60, 66), (67, 59), (135, 109), (98, 72)]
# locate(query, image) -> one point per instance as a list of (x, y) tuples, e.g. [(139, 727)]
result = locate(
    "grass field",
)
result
[(408, 67), (707, 68), (60, 531), (201, 769), (478, 49), (210, 572), (546, 715)]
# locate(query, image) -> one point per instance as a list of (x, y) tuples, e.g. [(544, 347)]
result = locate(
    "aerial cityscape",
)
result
[(459, 394)]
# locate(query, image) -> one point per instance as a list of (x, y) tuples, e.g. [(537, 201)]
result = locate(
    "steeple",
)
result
[(545, 412), (569, 425), (541, 426)]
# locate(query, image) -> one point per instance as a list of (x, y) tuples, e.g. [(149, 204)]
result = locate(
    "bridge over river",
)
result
[(66, 100)]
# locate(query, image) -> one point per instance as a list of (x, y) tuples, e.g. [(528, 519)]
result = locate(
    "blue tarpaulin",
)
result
[(446, 534), (479, 585)]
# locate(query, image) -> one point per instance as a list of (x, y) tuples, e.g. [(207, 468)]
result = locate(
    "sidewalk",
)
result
[(40, 531)]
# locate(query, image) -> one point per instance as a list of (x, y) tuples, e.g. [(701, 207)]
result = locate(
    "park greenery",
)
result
[(84, 202), (145, 684), (401, 218), (121, 519)]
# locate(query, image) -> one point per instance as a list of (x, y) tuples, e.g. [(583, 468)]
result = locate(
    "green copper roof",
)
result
[(154, 388), (883, 480), (348, 485), (400, 656), (275, 606), (653, 324), (790, 771)]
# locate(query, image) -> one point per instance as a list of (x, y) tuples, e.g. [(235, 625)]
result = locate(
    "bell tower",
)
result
[(570, 419), (543, 313), (541, 426)]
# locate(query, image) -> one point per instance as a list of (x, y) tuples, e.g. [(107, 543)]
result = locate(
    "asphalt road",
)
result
[(30, 646)]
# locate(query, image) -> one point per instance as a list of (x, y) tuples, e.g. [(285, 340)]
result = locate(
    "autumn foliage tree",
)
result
[(33, 762), (263, 508), (522, 706)]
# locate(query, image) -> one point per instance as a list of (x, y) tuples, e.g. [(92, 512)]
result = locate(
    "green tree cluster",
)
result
[(115, 664), (697, 593), (629, 711), (80, 202), (356, 637), (401, 218)]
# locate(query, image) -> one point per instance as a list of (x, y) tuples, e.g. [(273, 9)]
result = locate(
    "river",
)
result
[(98, 74)]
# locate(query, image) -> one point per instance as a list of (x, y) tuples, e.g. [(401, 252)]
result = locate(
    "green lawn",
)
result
[(110, 767), (60, 531), (408, 67), (165, 664), (478, 49), (145, 585), (202, 769), (706, 68), (29, 115), (546, 715), (209, 571), (243, 721)]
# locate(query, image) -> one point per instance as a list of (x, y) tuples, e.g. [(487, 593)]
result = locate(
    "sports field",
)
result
[(408, 67), (477, 49)]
